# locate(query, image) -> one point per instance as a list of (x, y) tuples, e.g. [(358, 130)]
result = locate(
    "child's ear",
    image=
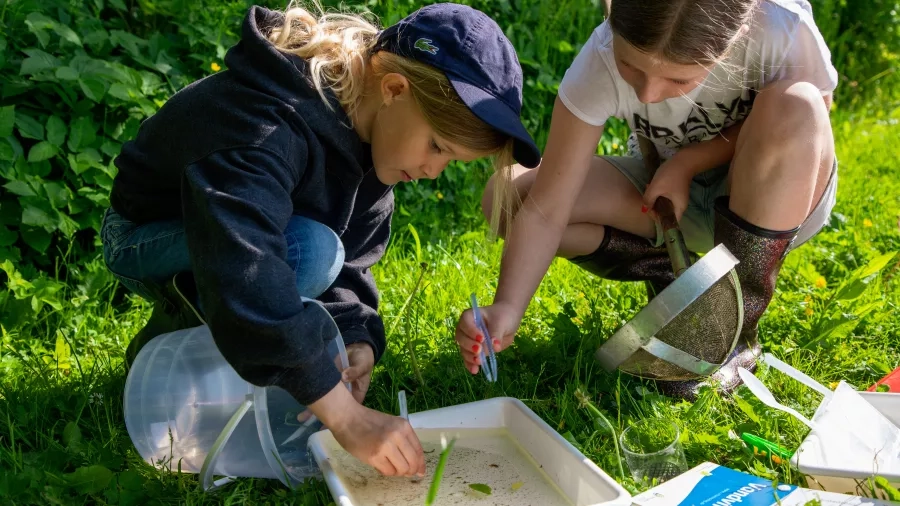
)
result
[(393, 87)]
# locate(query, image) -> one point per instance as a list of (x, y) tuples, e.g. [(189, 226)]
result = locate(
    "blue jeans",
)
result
[(148, 255)]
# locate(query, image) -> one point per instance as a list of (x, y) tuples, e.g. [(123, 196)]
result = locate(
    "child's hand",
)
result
[(385, 442), (672, 181), (362, 361), (502, 322)]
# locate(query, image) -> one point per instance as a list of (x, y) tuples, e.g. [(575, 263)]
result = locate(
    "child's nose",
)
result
[(648, 92), (433, 168)]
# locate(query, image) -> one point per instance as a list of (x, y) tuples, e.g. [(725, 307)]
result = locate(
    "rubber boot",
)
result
[(761, 253), (623, 256), (174, 308)]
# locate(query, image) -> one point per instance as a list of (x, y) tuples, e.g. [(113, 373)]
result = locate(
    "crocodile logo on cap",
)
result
[(424, 44)]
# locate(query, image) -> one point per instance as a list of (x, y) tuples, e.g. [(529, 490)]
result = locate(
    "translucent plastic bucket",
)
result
[(187, 410)]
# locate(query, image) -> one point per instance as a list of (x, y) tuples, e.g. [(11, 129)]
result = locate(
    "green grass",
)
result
[(61, 414), (62, 434)]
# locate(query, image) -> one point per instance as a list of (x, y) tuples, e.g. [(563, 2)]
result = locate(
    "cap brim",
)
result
[(498, 115)]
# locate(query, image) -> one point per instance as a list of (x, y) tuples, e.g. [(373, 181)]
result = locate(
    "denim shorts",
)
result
[(698, 220), (142, 256)]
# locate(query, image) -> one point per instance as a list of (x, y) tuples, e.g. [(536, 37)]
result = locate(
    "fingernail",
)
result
[(479, 338), (475, 348), (644, 209)]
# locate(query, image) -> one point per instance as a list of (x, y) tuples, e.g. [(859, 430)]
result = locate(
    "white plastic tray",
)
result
[(578, 477), (847, 481)]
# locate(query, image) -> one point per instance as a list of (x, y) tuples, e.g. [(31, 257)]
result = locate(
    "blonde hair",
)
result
[(339, 49)]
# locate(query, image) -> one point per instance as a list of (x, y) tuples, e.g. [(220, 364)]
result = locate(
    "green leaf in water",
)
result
[(438, 473), (480, 487)]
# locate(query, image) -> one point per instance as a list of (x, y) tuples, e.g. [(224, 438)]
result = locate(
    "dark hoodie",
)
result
[(234, 156)]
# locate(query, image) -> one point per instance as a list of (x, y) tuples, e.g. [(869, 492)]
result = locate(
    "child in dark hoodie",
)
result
[(271, 182)]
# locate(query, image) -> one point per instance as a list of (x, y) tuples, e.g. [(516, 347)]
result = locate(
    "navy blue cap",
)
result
[(478, 60)]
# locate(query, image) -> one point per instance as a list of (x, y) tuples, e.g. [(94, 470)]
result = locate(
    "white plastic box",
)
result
[(577, 477)]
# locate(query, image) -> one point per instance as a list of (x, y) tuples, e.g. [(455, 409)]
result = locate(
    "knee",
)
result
[(786, 109), (316, 253)]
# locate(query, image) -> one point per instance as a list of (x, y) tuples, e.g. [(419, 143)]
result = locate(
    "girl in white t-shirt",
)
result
[(734, 95)]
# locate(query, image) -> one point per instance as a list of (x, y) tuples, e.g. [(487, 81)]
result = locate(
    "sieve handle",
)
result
[(678, 252), (665, 212)]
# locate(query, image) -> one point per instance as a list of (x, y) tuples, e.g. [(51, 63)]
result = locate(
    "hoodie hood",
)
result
[(257, 63)]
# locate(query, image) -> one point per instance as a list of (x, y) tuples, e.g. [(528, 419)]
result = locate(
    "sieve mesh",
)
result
[(706, 329)]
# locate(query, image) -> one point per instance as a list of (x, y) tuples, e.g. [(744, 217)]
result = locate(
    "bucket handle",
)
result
[(209, 464)]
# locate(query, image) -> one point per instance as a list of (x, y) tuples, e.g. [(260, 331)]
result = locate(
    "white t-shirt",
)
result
[(783, 44)]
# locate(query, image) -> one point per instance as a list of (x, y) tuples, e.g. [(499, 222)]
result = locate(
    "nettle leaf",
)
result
[(111, 149), (76, 166), (68, 226), (67, 74), (20, 188), (38, 24), (39, 21), (93, 88), (129, 42), (91, 157), (29, 127), (79, 204), (118, 4), (41, 151), (93, 195), (38, 213), (7, 120), (105, 180), (121, 92), (116, 72), (38, 61), (82, 133), (150, 82), (56, 131), (67, 33), (58, 194)]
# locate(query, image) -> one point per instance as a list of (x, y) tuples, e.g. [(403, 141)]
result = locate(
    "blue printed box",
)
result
[(713, 485)]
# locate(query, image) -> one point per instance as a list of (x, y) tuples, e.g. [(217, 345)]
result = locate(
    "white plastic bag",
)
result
[(850, 438)]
